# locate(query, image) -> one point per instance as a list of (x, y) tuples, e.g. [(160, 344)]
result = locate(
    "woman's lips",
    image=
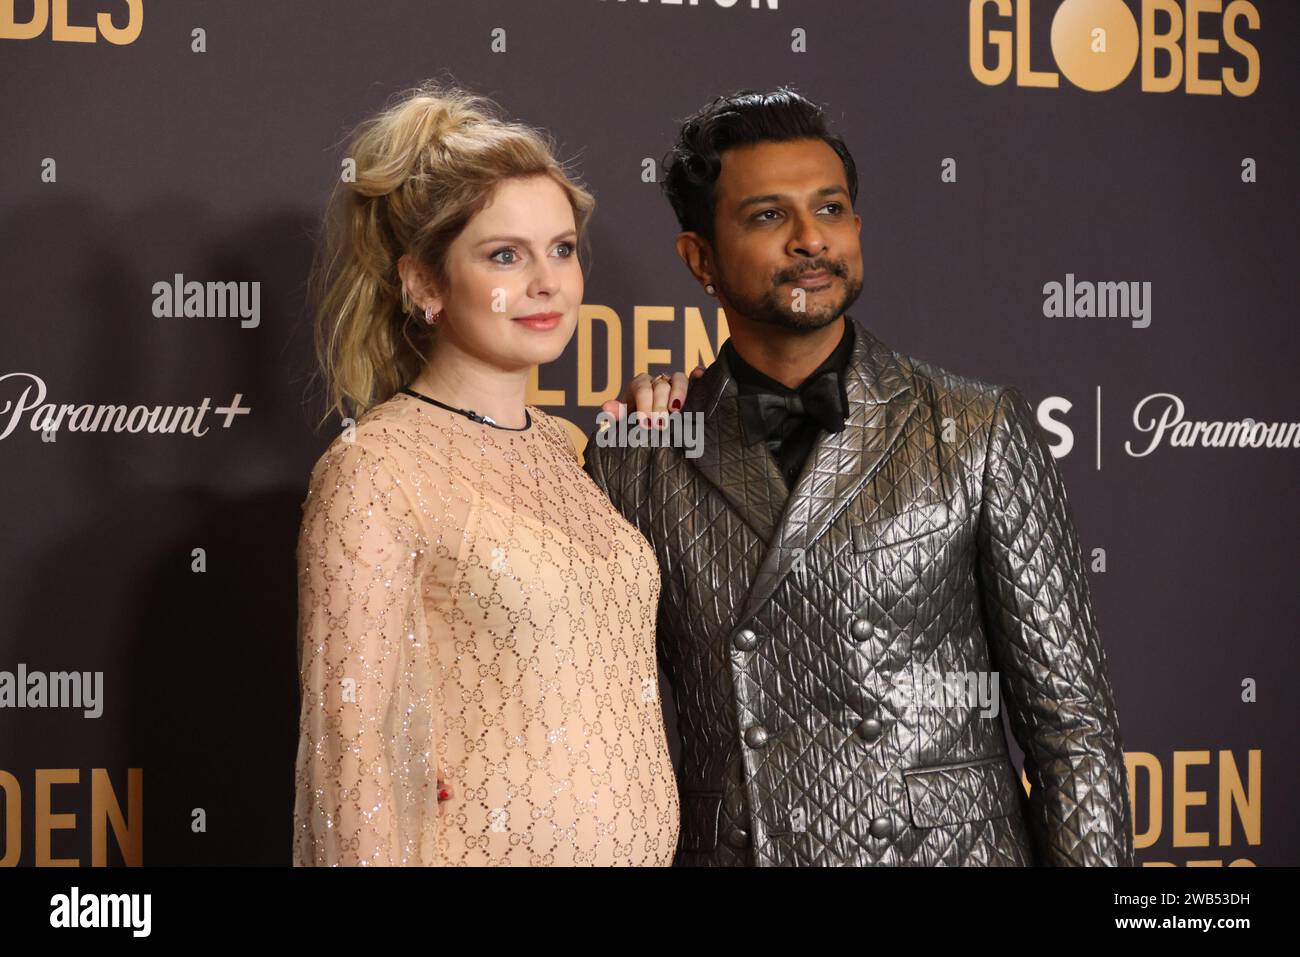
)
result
[(541, 321)]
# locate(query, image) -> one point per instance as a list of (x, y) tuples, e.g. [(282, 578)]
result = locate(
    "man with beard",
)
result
[(857, 520)]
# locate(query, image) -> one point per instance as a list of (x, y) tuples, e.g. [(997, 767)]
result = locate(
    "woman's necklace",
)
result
[(471, 414)]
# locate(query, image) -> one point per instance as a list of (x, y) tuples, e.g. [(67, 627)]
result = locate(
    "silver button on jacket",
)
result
[(933, 533)]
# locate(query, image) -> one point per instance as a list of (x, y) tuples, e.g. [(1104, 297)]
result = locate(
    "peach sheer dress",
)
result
[(469, 600)]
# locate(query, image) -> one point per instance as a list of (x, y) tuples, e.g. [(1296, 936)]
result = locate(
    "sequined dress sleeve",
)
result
[(366, 775)]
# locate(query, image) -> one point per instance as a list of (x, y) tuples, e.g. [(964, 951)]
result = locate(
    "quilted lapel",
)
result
[(881, 401), (746, 475)]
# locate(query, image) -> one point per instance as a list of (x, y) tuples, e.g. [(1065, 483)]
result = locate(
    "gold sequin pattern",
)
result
[(468, 600)]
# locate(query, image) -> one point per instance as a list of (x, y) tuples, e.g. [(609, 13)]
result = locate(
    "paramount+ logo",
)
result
[(1199, 46), (52, 15)]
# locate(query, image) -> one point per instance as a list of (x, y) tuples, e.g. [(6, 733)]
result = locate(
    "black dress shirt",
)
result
[(791, 447)]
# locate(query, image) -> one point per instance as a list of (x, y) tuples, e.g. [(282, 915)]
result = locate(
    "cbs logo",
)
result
[(1096, 44), (54, 14)]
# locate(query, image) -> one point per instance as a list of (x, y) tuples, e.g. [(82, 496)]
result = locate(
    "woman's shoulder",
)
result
[(398, 417), (382, 441), (369, 474), (553, 429), (353, 461)]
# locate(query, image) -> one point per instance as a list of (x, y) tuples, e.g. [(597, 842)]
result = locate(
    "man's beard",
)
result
[(776, 307)]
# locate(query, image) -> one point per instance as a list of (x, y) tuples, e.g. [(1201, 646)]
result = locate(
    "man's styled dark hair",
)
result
[(691, 167)]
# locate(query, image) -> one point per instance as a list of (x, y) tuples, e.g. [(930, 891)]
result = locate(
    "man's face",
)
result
[(785, 237)]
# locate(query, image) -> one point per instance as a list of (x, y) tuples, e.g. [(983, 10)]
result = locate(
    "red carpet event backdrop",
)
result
[(1092, 200)]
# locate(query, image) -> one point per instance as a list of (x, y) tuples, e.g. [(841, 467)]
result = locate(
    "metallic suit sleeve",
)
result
[(622, 477), (1043, 640)]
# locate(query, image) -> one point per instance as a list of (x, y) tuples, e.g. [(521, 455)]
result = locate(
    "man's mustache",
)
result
[(837, 269)]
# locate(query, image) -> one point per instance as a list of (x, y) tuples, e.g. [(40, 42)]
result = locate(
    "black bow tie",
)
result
[(765, 414)]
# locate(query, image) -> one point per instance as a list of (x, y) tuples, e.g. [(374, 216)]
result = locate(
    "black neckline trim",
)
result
[(471, 414)]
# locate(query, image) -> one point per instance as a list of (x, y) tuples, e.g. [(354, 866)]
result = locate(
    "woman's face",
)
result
[(518, 258)]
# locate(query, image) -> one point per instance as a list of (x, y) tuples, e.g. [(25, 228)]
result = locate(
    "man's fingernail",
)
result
[(677, 404)]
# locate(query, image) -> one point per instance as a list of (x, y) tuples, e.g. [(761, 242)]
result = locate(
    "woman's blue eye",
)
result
[(568, 247)]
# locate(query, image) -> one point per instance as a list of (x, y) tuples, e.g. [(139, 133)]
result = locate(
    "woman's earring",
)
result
[(429, 317), (708, 287)]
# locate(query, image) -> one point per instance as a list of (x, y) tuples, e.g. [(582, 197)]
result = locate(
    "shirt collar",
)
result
[(747, 377)]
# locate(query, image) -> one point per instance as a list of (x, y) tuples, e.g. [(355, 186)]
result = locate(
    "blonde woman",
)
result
[(476, 620)]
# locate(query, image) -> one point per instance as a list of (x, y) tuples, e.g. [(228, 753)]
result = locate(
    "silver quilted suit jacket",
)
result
[(931, 533)]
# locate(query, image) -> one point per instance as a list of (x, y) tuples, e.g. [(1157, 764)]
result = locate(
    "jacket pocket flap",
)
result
[(903, 527), (955, 793), (700, 813)]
